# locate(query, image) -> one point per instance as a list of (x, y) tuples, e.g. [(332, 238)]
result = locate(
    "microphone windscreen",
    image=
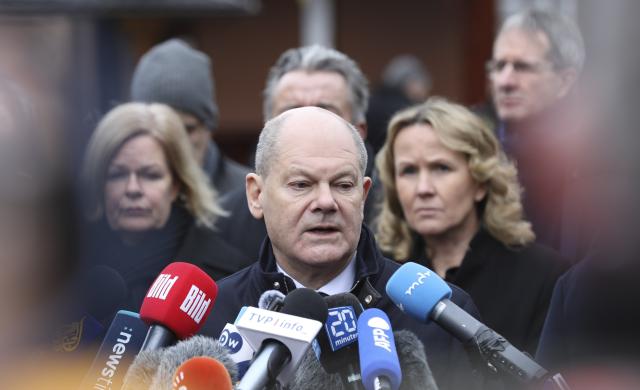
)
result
[(271, 300), (202, 373), (180, 299), (306, 303), (311, 375), (416, 373), (143, 369), (195, 346), (416, 290)]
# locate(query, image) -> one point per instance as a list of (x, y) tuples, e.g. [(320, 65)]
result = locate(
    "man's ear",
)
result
[(254, 186), (366, 186), (362, 129), (567, 77)]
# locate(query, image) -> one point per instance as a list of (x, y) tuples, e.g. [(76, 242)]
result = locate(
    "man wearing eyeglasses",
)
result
[(537, 58)]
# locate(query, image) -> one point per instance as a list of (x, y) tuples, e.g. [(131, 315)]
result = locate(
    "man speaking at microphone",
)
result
[(310, 188)]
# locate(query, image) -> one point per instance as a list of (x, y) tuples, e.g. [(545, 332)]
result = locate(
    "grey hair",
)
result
[(267, 143), (317, 58), (566, 44)]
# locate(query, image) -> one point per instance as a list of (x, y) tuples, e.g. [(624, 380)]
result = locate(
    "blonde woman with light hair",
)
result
[(148, 201), (452, 202)]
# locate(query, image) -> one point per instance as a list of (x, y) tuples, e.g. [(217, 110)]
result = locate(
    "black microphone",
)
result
[(338, 341), (280, 339), (421, 293)]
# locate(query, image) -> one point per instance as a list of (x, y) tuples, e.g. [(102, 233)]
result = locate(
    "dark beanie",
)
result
[(175, 74)]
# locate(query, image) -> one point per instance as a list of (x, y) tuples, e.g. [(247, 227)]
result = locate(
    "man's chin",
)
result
[(324, 255)]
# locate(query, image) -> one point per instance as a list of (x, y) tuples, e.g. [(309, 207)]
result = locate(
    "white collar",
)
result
[(340, 284)]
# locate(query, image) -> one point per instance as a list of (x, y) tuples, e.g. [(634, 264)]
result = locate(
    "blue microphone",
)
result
[(379, 364), (118, 349), (421, 293)]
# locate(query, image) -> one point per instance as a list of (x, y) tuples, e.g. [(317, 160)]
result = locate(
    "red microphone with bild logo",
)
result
[(177, 304)]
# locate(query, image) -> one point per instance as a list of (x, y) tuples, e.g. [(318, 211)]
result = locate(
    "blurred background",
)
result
[(77, 57), (73, 61)]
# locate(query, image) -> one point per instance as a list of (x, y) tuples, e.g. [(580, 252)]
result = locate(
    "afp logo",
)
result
[(379, 328), (231, 340)]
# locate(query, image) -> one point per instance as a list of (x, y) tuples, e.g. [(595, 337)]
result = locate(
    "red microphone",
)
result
[(177, 304), (202, 373)]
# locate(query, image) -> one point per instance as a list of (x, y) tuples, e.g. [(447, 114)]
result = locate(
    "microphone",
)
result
[(238, 348), (378, 357), (416, 373), (281, 339), (143, 369), (195, 346), (422, 294), (338, 340), (271, 300), (155, 369), (122, 342), (177, 304), (202, 373)]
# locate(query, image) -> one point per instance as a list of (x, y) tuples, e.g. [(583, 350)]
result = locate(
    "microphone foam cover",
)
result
[(202, 373), (416, 373), (184, 350), (416, 290), (306, 303), (143, 369), (270, 298)]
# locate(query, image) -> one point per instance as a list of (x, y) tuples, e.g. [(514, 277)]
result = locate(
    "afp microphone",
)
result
[(177, 304), (421, 293), (202, 373), (378, 357), (280, 339), (338, 340)]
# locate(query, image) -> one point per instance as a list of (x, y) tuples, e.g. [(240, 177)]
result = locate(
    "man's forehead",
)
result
[(316, 131), (532, 44)]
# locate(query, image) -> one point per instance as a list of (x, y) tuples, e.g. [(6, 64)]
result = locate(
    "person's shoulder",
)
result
[(213, 253), (536, 258), (236, 279)]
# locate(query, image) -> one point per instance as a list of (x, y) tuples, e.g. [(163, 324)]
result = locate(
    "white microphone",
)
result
[(280, 339)]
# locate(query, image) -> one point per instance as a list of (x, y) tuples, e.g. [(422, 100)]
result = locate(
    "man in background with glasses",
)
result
[(537, 58)]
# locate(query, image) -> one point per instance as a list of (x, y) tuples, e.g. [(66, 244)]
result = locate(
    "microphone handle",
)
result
[(274, 356), (381, 383), (158, 337), (351, 379)]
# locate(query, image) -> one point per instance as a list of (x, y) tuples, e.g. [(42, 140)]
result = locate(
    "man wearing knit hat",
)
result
[(175, 74)]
